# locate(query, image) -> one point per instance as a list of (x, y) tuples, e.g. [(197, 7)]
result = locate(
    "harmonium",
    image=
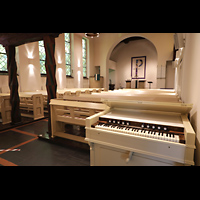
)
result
[(132, 133)]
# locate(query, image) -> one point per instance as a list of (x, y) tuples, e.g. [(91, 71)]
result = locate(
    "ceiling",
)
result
[(123, 43), (127, 40)]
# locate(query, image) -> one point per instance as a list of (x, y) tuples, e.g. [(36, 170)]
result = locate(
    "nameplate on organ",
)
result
[(152, 128)]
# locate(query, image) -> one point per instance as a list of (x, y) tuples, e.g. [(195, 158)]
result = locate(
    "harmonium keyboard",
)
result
[(141, 133)]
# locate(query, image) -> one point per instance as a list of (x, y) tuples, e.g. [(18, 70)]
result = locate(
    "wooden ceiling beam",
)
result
[(17, 39)]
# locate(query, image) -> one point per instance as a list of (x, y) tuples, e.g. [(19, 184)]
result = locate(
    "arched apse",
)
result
[(130, 46)]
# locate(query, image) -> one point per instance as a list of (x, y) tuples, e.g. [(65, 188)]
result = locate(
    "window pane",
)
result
[(67, 54), (42, 56), (67, 47), (3, 59), (84, 62), (84, 53), (68, 60), (68, 71), (2, 49), (84, 56), (41, 43), (3, 62), (84, 72), (42, 53), (83, 43), (67, 37), (42, 67)]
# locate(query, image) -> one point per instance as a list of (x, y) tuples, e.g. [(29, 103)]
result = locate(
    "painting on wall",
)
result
[(138, 67)]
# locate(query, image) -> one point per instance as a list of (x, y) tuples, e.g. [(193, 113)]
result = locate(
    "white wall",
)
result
[(104, 45), (4, 88), (99, 54), (27, 57), (60, 62), (133, 49), (189, 84), (78, 66), (29, 67)]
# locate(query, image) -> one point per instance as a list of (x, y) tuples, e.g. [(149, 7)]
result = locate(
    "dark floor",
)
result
[(24, 120), (36, 152)]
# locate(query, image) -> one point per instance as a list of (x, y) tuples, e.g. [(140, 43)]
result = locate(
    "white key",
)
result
[(130, 131), (151, 134), (135, 131), (115, 128), (146, 133), (103, 126), (124, 130), (109, 127), (127, 130), (170, 137), (156, 135), (161, 137), (142, 133), (173, 138), (176, 138), (164, 136), (98, 126), (118, 129), (139, 132)]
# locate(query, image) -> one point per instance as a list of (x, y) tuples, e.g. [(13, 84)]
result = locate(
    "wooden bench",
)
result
[(32, 104), (77, 91), (5, 109), (71, 112), (145, 96)]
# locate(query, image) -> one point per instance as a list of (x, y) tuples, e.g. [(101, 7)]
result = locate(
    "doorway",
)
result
[(170, 75), (111, 79)]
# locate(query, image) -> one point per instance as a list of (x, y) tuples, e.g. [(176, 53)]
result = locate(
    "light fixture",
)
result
[(31, 69), (92, 35)]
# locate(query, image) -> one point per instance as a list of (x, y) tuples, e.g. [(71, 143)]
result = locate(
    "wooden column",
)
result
[(50, 64), (13, 84)]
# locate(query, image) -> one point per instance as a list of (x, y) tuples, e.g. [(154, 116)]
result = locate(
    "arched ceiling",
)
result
[(122, 44)]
